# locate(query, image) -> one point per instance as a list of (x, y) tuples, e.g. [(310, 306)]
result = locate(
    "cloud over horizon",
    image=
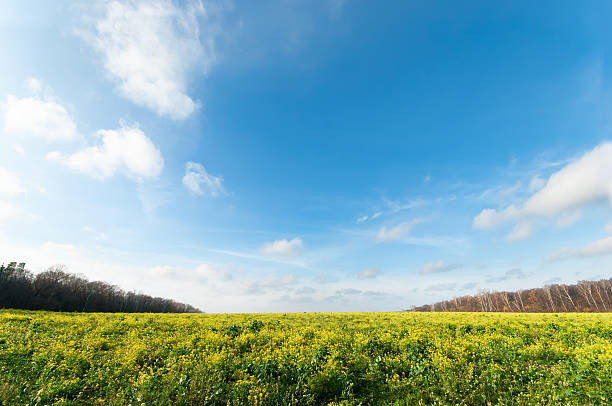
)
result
[(593, 249), (579, 184)]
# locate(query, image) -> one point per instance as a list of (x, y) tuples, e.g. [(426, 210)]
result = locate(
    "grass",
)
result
[(305, 358)]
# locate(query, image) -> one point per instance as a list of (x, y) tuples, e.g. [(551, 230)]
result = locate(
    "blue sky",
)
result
[(307, 155)]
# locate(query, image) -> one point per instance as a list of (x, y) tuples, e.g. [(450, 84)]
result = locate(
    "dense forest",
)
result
[(585, 296), (56, 289)]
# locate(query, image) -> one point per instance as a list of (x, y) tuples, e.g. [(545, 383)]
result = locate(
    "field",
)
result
[(305, 359)]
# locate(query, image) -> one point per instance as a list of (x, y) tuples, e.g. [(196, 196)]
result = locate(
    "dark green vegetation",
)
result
[(58, 290), (305, 359)]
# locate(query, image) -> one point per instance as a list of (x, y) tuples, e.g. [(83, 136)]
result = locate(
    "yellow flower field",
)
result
[(305, 359)]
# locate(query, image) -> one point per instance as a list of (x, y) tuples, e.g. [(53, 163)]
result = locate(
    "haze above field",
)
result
[(300, 155)]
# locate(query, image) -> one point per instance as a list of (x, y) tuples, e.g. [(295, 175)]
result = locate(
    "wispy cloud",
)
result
[(515, 273), (283, 247), (369, 273), (200, 182), (284, 260), (396, 232), (369, 217), (438, 267), (521, 231), (595, 248)]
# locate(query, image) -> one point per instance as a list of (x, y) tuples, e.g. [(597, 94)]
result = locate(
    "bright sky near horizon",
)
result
[(331, 155)]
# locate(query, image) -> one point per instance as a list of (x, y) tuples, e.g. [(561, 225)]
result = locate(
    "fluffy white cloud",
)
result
[(9, 183), (397, 232), (125, 149), (150, 47), (38, 116), (370, 273), (201, 182), (595, 248), (283, 247), (578, 184), (439, 266)]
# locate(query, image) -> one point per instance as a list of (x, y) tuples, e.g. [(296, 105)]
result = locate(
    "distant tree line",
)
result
[(56, 289), (585, 296)]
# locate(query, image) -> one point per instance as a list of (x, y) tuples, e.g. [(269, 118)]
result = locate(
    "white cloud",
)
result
[(9, 183), (397, 232), (608, 228), (213, 273), (35, 85), (370, 273), (306, 290), (125, 149), (578, 184), (283, 247), (427, 179), (10, 212), (595, 248), (150, 48), (19, 149), (569, 218), (62, 250), (366, 217), (38, 116), (201, 182), (521, 231), (439, 266)]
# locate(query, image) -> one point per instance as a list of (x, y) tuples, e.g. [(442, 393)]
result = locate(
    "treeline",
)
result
[(58, 290), (585, 296)]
